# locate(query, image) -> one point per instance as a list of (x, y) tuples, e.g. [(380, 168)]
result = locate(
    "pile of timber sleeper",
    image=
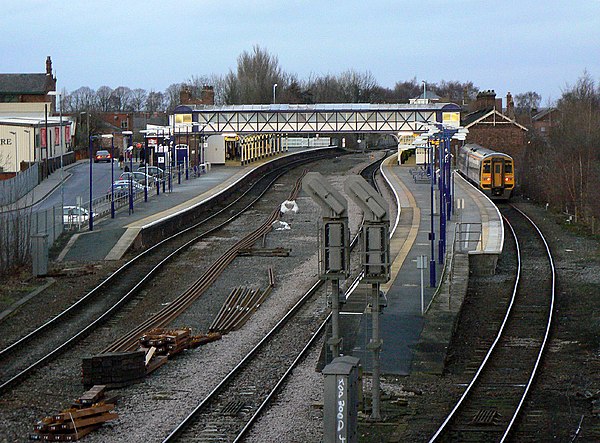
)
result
[(88, 413)]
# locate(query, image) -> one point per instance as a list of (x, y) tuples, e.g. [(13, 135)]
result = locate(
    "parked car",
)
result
[(139, 177), (102, 156), (121, 188), (154, 171), (75, 215)]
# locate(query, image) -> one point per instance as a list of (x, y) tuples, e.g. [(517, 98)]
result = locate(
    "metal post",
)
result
[(131, 175), (146, 177), (442, 240), (432, 277), (112, 177), (334, 342), (91, 214), (375, 346), (447, 178)]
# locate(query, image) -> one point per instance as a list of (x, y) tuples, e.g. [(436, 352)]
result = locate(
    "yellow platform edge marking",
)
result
[(400, 247)]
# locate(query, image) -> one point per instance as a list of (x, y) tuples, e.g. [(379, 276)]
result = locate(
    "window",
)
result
[(508, 167), (486, 167), (124, 124)]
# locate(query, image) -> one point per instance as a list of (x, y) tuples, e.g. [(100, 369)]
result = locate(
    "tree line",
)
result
[(563, 168), (252, 83)]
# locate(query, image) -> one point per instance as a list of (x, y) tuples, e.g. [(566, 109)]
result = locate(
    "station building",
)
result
[(30, 130)]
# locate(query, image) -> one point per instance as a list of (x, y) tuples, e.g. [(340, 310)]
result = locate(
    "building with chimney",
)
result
[(491, 128), (30, 129)]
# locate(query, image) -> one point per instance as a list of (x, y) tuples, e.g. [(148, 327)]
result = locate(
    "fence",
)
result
[(18, 226), (13, 189)]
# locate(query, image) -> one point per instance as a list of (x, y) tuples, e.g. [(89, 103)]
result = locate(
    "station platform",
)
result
[(417, 323)]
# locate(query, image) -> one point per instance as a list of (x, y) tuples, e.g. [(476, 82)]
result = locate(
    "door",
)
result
[(498, 173)]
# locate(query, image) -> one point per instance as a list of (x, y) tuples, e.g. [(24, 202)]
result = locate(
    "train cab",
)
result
[(491, 171)]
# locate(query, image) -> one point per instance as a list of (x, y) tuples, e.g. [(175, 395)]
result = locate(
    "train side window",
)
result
[(486, 168), (508, 168)]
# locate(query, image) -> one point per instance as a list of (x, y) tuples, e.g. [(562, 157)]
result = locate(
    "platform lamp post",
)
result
[(146, 158), (91, 213), (62, 176), (274, 88), (130, 144), (461, 135), (424, 139), (112, 173)]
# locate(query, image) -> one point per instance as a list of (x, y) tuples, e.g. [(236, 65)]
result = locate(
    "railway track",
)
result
[(490, 406), (231, 408), (130, 340), (19, 359)]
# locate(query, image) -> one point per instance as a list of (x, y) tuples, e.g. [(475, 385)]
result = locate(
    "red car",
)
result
[(102, 156)]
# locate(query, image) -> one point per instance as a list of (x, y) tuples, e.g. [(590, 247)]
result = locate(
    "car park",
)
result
[(154, 171), (102, 156), (75, 215), (139, 177), (121, 188)]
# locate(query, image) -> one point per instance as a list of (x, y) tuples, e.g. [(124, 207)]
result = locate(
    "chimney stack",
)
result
[(48, 66), (510, 106)]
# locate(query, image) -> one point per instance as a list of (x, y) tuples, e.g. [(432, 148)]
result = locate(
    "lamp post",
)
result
[(16, 153), (130, 134), (430, 153), (112, 173), (91, 214), (274, 88), (62, 188)]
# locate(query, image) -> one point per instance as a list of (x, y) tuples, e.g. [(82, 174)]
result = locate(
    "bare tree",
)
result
[(172, 96), (565, 169), (526, 103), (257, 72), (155, 102), (325, 89), (103, 96), (456, 91), (120, 99), (404, 91), (82, 99), (357, 87), (138, 99)]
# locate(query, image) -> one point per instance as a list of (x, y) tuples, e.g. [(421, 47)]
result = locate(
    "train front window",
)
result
[(508, 168), (486, 167)]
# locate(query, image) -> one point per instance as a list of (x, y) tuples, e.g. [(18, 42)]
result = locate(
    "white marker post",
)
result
[(422, 264)]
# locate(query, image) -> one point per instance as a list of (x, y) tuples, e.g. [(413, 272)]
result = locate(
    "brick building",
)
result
[(28, 88), (207, 96), (544, 120), (491, 128)]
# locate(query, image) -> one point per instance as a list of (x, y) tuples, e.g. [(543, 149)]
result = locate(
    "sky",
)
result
[(507, 46)]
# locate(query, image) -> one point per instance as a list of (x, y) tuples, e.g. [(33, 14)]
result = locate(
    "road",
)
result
[(77, 184)]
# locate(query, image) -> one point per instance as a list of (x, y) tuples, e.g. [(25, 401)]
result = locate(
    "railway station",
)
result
[(441, 230)]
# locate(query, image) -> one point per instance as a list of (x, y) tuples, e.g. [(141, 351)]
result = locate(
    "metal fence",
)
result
[(17, 227), (13, 189)]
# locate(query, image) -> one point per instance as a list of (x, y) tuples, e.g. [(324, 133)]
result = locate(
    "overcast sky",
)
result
[(516, 46)]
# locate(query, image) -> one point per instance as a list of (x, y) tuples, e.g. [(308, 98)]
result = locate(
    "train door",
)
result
[(497, 173)]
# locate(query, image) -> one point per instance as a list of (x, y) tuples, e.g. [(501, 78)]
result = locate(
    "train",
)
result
[(491, 171)]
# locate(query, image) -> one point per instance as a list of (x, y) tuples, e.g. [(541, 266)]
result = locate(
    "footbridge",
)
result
[(253, 132), (319, 118)]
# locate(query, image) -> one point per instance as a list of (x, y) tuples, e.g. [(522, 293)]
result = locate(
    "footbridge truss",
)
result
[(318, 118)]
